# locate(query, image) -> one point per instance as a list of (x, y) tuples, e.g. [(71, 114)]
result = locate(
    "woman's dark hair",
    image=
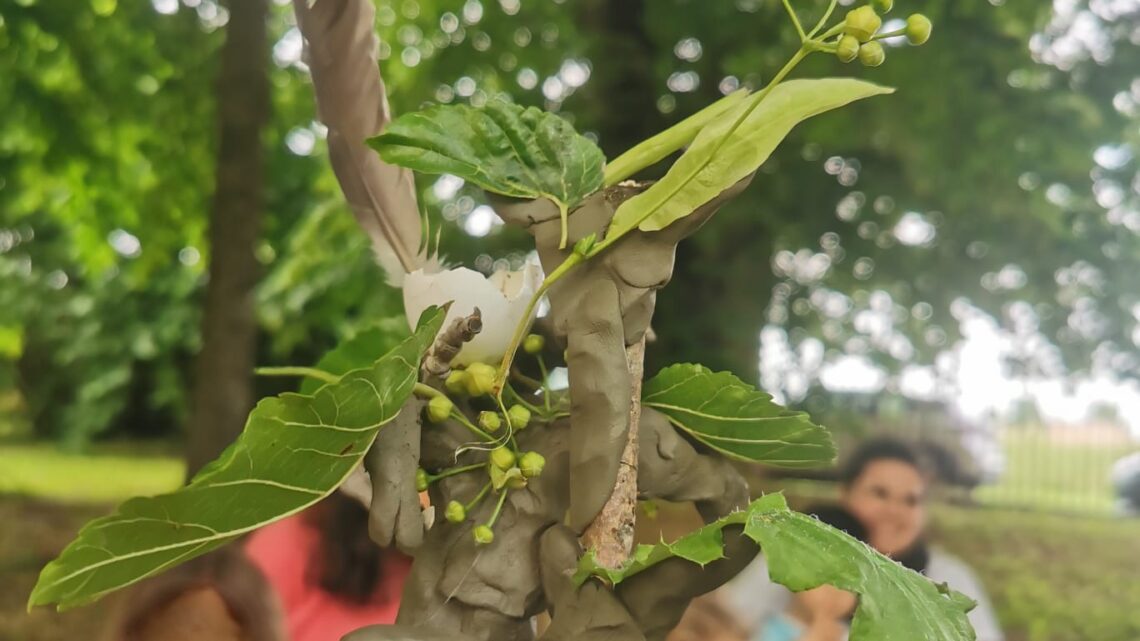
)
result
[(877, 449), (347, 564), (840, 519)]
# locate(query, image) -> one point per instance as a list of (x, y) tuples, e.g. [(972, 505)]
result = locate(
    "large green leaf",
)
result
[(727, 150), (359, 351), (501, 147), (295, 450), (731, 416), (895, 604)]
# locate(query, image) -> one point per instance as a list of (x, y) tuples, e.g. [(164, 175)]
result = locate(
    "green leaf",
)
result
[(895, 604), (359, 351), (734, 418), (725, 152), (501, 147), (295, 450), (655, 149)]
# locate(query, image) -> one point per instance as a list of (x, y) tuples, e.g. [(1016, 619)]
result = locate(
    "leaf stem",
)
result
[(823, 20), (426, 391), (499, 507), (795, 21), (462, 420), (545, 377), (308, 372), (564, 216), (455, 470), (570, 263), (478, 497)]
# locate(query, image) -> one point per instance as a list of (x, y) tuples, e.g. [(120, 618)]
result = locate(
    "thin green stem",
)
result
[(823, 20), (570, 263), (832, 32), (478, 498), (426, 391), (545, 377), (890, 34), (462, 420), (455, 470), (308, 372), (522, 401), (823, 48), (499, 507), (795, 20), (526, 380), (564, 215)]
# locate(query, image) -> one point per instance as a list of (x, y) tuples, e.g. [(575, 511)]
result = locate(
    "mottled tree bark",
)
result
[(222, 394)]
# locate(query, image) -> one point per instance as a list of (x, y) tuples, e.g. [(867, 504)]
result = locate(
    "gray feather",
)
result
[(341, 48)]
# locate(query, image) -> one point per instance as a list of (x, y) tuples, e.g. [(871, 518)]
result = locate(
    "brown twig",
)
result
[(610, 535), (446, 347)]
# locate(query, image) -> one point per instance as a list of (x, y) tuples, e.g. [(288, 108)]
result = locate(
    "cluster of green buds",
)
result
[(860, 37), (506, 466), (507, 470), (475, 381)]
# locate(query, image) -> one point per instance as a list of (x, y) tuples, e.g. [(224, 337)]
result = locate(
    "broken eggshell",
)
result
[(501, 297)]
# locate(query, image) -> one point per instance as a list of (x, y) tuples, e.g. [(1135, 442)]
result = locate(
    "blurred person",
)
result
[(313, 576), (884, 488)]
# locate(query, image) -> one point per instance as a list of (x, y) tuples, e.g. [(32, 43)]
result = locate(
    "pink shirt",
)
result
[(282, 550)]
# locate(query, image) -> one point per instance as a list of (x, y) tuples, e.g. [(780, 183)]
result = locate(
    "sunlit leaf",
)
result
[(295, 450), (895, 604), (727, 150), (501, 147), (359, 351), (728, 415)]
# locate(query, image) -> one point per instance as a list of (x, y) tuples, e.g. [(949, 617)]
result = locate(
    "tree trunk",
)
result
[(222, 389)]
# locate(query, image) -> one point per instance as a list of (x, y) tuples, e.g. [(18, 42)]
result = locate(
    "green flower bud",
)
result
[(862, 22), (520, 417), (515, 479), (503, 458), (439, 408), (918, 29), (531, 464), (480, 379), (848, 48), (456, 382), (490, 421), (483, 534), (883, 6), (422, 480), (533, 343), (871, 54), (455, 512), (511, 477)]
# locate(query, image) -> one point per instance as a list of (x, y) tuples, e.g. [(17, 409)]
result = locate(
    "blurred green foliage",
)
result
[(986, 156)]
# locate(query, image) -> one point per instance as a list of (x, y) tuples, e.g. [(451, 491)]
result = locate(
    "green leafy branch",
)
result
[(296, 449), (803, 553)]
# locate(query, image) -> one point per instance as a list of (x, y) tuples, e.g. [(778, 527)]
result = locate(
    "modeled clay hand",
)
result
[(650, 604), (599, 309), (395, 515)]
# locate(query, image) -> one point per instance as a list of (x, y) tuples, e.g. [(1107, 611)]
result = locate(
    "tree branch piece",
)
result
[(437, 363)]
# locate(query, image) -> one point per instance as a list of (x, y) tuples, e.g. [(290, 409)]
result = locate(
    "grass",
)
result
[(1041, 473), (1051, 577), (108, 474)]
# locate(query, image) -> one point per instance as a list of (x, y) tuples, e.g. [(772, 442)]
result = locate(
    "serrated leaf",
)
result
[(895, 604), (726, 151), (725, 413), (701, 547), (295, 450), (501, 147), (361, 350)]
